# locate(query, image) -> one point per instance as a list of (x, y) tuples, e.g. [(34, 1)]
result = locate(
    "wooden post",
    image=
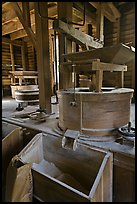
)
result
[(121, 74), (26, 13), (43, 57), (100, 23), (12, 62), (65, 14), (99, 77)]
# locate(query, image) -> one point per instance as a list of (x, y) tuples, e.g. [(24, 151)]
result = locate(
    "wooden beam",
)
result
[(100, 23), (43, 57), (76, 35), (21, 18), (10, 15), (108, 66), (26, 13), (65, 45), (14, 26)]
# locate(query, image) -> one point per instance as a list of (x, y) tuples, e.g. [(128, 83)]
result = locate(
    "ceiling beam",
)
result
[(21, 18)]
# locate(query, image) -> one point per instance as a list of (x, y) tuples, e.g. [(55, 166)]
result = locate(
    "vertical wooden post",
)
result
[(100, 23), (12, 62), (99, 77), (65, 14), (118, 41), (43, 57), (26, 13)]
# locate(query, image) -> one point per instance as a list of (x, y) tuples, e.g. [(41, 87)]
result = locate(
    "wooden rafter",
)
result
[(21, 18), (10, 14), (14, 26), (22, 33)]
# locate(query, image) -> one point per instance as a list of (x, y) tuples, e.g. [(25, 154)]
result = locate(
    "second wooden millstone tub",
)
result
[(94, 113), (61, 175)]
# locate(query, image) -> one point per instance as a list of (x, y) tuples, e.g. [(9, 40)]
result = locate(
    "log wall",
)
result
[(123, 32), (31, 57)]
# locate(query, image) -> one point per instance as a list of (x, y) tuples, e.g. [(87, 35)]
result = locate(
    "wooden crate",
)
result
[(62, 175)]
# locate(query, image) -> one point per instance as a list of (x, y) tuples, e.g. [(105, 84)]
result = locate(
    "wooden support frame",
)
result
[(22, 20), (98, 67)]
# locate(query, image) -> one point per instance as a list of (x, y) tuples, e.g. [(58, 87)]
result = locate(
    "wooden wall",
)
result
[(32, 64), (6, 65), (122, 32), (17, 58)]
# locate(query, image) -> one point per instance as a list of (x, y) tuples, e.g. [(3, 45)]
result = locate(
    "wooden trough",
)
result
[(61, 175), (94, 113)]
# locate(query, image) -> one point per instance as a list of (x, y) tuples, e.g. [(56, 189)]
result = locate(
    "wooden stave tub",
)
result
[(100, 118)]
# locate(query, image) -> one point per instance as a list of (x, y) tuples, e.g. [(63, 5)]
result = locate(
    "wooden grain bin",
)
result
[(61, 175), (94, 113), (12, 144)]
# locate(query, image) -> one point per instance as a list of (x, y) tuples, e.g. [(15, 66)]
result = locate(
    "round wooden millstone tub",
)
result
[(94, 113), (27, 95), (22, 87)]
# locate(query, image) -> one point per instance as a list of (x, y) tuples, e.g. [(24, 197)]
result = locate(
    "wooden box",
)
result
[(65, 175)]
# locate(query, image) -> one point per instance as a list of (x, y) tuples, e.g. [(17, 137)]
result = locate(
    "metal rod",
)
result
[(55, 60), (74, 81)]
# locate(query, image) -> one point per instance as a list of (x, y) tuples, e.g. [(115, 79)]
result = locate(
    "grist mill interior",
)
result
[(68, 101)]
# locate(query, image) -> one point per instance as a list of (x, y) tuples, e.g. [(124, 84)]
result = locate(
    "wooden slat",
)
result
[(100, 23)]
